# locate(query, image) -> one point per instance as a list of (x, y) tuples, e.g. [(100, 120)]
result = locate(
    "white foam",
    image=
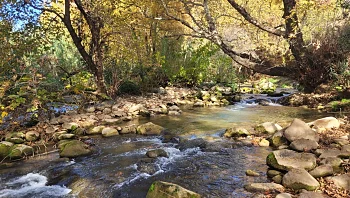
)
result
[(32, 184)]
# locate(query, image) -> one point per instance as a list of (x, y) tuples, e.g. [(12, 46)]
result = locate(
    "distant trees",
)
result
[(297, 39)]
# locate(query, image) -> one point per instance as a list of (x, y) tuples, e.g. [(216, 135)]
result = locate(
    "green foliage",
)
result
[(340, 105), (129, 87)]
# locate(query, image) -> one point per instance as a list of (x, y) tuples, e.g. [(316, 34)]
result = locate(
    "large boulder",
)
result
[(287, 159), (149, 129), (304, 145), (109, 131), (298, 179), (300, 130), (325, 123), (5, 148), (263, 187), (73, 148), (160, 189), (20, 150), (236, 132)]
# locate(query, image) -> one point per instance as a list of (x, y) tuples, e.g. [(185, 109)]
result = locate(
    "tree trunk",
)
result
[(94, 59)]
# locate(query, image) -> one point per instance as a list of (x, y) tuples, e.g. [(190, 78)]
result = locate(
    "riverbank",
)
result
[(124, 126)]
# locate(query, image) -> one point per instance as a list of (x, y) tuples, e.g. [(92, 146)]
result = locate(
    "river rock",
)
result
[(109, 131), (277, 179), (252, 173), (174, 108), (128, 129), (147, 167), (263, 187), (95, 130), (174, 113), (194, 143), (160, 189), (278, 139), (298, 179), (236, 132), (322, 171), (199, 104), (87, 123), (51, 129), (335, 162), (330, 153), (288, 159), (111, 121), (268, 127), (66, 136), (32, 136), (70, 126), (341, 181), (264, 143), (325, 123), (272, 173), (156, 153), (303, 145), (15, 137), (284, 195), (90, 109), (5, 148), (300, 130), (20, 150), (149, 129), (309, 194), (73, 148), (345, 149)]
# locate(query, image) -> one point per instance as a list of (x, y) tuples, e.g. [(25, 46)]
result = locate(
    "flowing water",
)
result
[(114, 168)]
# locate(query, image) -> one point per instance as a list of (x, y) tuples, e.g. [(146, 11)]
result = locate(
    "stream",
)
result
[(113, 169)]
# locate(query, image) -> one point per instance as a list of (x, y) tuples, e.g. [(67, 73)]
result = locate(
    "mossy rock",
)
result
[(15, 137), (5, 148), (20, 150), (160, 189), (73, 148), (149, 129)]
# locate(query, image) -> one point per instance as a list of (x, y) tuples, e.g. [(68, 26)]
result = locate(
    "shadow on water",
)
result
[(114, 170)]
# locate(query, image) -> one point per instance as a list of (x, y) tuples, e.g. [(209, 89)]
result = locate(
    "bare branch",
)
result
[(253, 21)]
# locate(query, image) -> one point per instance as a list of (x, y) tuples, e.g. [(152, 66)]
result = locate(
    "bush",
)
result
[(129, 87)]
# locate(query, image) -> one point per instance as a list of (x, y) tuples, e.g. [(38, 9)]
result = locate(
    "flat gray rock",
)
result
[(322, 171), (311, 195), (263, 187), (288, 159), (303, 145), (342, 181), (298, 179)]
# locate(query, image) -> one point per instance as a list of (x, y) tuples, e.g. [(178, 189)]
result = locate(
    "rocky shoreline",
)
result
[(309, 157)]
